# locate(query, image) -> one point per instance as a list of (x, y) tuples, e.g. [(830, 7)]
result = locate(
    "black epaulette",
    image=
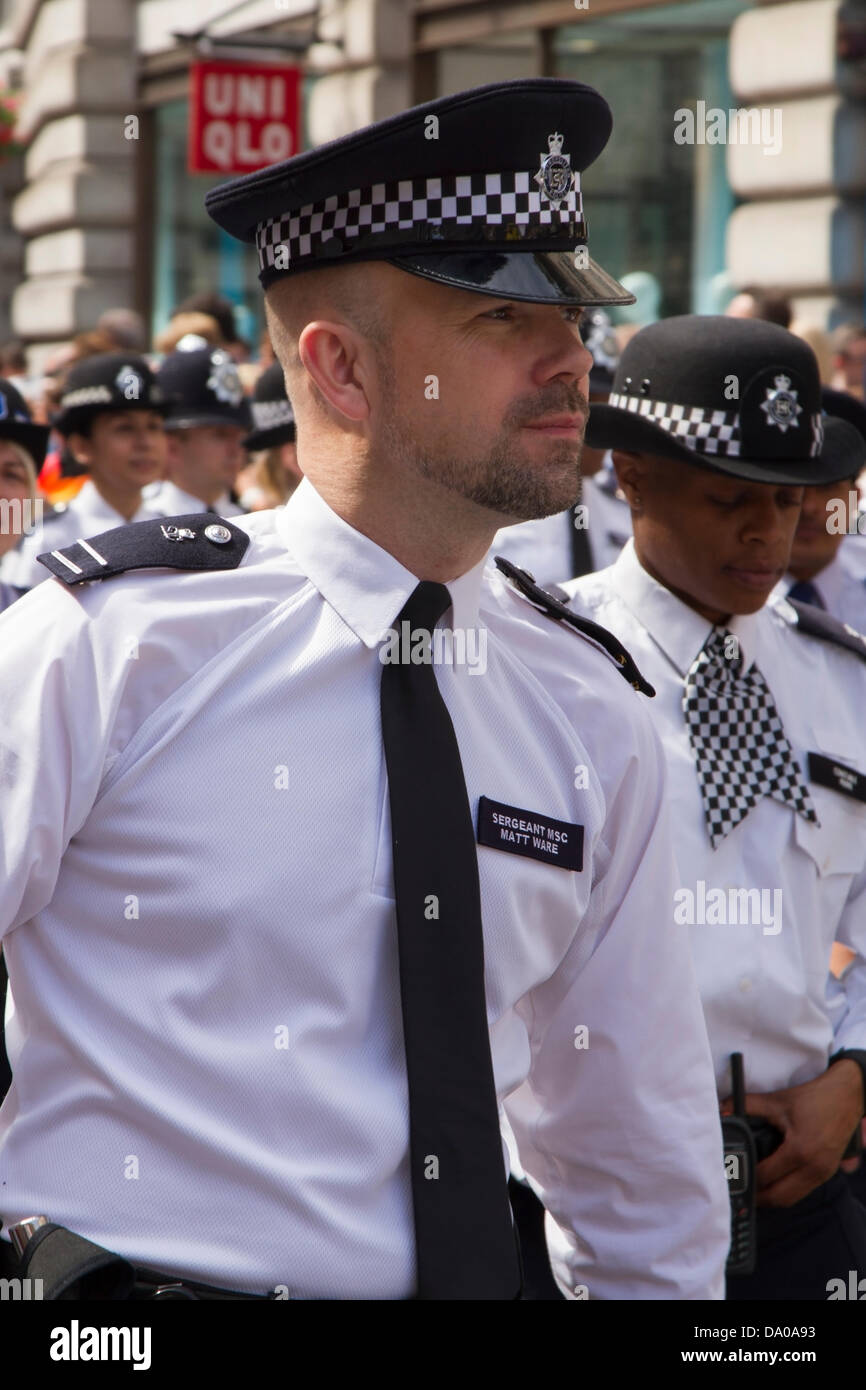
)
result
[(816, 623), (560, 612), (198, 541)]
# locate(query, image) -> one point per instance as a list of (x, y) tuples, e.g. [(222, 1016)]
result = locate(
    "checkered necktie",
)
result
[(740, 748)]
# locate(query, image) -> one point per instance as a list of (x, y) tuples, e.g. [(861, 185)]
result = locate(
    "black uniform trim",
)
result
[(817, 623), (559, 612), (149, 545)]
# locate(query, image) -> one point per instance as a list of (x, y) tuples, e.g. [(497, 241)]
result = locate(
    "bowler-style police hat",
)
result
[(480, 190), (737, 396), (273, 417), (17, 425), (843, 453), (844, 407), (202, 387), (109, 381)]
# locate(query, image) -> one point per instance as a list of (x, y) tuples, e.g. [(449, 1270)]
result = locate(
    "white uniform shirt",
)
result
[(766, 993), (167, 499), (201, 933), (88, 514), (843, 595)]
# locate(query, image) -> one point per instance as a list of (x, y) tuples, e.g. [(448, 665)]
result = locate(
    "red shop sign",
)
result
[(241, 117)]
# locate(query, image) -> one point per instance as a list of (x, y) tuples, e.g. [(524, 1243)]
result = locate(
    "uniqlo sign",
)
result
[(241, 117)]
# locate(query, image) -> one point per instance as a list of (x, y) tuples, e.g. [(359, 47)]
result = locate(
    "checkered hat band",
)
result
[(267, 415), (455, 203), (703, 430), (86, 395)]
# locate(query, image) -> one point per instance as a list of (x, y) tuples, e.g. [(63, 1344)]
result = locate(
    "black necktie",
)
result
[(581, 554), (804, 591), (463, 1229)]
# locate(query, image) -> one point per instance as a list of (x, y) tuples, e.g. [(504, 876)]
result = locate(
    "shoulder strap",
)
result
[(196, 541), (559, 612), (816, 623)]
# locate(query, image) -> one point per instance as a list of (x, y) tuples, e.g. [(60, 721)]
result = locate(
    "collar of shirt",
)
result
[(676, 629), (167, 497), (167, 494), (830, 582), (101, 516), (361, 581)]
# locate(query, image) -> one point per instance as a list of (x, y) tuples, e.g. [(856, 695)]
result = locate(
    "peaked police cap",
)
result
[(738, 396), (480, 190)]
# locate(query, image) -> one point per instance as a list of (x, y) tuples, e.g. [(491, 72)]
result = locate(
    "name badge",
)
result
[(530, 833), (838, 776)]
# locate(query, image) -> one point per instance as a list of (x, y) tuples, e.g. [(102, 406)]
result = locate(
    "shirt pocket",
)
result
[(838, 844)]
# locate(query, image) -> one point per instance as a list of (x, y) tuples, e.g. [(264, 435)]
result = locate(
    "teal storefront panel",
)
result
[(190, 253)]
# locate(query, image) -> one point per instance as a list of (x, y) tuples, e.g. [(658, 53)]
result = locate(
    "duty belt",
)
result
[(73, 1268)]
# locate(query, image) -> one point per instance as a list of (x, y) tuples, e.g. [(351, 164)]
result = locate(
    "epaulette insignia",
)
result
[(199, 541), (560, 612), (816, 623)]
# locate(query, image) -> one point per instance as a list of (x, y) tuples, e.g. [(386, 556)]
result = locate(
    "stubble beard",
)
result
[(503, 479)]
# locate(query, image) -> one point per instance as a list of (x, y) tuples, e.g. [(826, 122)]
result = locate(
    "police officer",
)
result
[(760, 709), (22, 451), (111, 415), (322, 881), (818, 572), (207, 419)]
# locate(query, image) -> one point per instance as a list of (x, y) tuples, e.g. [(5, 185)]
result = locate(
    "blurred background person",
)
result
[(125, 328), (207, 417), (815, 572), (755, 303), (111, 417), (22, 448), (273, 473), (187, 331), (849, 358), (221, 309)]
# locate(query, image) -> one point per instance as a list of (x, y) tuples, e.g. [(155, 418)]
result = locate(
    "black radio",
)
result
[(748, 1139)]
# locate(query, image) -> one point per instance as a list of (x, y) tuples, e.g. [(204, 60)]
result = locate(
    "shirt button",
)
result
[(745, 985)]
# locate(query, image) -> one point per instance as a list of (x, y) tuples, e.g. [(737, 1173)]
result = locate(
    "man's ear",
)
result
[(631, 471), (337, 360)]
